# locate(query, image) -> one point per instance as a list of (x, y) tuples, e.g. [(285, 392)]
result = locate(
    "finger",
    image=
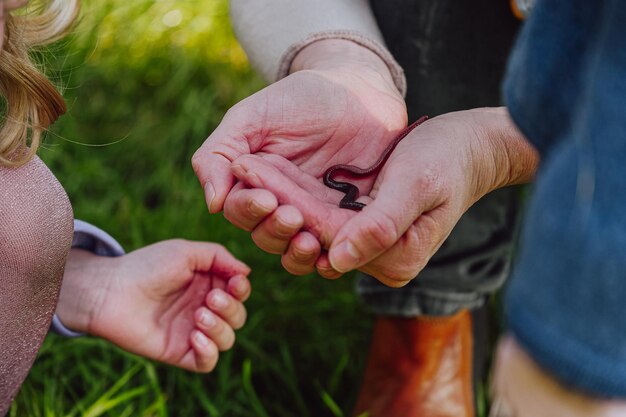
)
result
[(227, 307), (246, 208), (300, 257), (325, 269), (203, 355), (315, 185), (239, 287), (410, 254), (322, 219), (403, 194), (304, 180), (215, 258), (215, 328), (211, 162), (213, 171), (274, 233)]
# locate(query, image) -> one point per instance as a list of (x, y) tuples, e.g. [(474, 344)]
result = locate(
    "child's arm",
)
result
[(175, 301)]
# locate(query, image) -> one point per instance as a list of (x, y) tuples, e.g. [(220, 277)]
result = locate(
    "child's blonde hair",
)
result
[(32, 103)]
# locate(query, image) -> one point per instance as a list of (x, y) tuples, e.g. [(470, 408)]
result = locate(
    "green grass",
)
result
[(143, 96)]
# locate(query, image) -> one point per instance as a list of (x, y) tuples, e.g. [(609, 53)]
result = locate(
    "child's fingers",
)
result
[(213, 257), (203, 356), (227, 307), (215, 328), (239, 287)]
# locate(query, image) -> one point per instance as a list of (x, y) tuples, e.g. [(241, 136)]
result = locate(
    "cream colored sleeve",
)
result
[(272, 32)]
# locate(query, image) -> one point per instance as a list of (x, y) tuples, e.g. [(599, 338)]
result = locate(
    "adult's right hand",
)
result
[(339, 105)]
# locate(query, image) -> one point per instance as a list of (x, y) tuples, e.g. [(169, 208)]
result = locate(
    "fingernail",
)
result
[(329, 272), (283, 228), (241, 285), (218, 300), (238, 171), (302, 255), (207, 318), (201, 339), (243, 174), (254, 180), (257, 209), (344, 257), (209, 194)]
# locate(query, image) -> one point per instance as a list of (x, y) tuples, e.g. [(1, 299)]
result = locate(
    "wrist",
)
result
[(338, 55), (505, 156), (521, 158), (85, 286)]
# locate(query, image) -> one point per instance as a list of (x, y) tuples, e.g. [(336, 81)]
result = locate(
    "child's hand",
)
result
[(175, 301)]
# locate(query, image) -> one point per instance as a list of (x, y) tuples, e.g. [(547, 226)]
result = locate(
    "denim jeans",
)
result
[(566, 90), (454, 56)]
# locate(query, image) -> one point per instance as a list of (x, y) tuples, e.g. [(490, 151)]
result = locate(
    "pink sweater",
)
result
[(35, 238)]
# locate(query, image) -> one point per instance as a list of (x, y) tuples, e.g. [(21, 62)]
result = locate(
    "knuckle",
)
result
[(379, 233), (429, 181), (232, 112), (180, 243), (217, 248), (179, 247)]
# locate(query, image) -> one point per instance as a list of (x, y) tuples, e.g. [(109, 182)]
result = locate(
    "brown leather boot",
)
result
[(419, 367)]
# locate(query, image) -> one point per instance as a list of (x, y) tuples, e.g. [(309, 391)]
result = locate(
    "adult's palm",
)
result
[(313, 118)]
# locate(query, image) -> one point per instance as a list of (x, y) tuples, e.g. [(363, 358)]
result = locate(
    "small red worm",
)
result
[(351, 190)]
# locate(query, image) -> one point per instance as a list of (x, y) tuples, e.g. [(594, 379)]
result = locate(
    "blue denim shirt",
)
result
[(566, 90)]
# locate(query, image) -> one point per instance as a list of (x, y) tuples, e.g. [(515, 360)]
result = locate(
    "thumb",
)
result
[(400, 201), (211, 162)]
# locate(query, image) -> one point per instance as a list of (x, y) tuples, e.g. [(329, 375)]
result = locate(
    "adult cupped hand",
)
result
[(343, 108), (436, 173)]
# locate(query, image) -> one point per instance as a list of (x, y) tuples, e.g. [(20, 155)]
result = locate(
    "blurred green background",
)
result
[(146, 82)]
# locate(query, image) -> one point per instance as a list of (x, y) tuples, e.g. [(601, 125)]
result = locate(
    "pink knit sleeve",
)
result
[(95, 240), (35, 237)]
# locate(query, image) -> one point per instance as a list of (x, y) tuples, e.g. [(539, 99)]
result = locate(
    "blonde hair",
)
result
[(32, 103)]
